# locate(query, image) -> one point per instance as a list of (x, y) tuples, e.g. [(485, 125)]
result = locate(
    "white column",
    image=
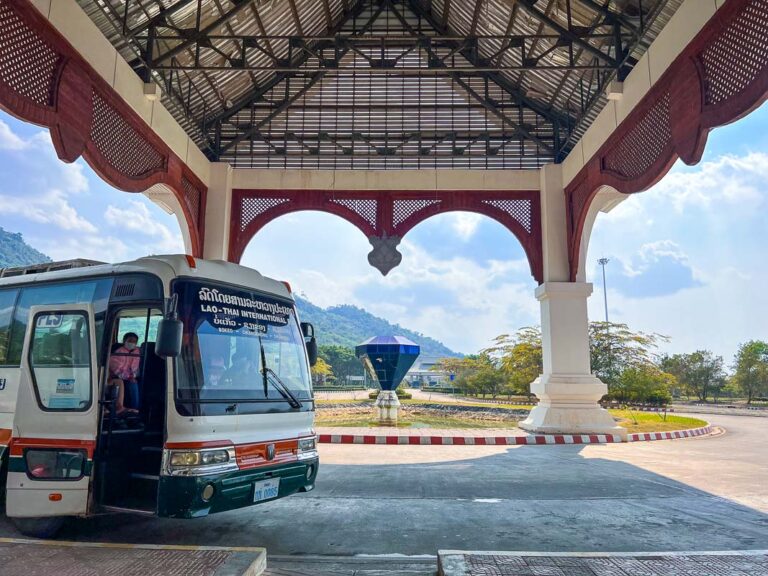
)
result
[(218, 212), (567, 390)]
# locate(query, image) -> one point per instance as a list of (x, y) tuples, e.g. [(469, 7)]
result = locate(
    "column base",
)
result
[(568, 404), (388, 404)]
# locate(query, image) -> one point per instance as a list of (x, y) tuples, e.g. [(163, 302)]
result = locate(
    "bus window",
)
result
[(7, 301), (60, 359), (141, 321), (92, 291)]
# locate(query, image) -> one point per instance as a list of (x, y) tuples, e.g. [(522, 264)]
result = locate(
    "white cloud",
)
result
[(9, 140), (68, 177), (736, 180), (650, 253), (52, 207), (90, 246), (139, 219), (465, 223)]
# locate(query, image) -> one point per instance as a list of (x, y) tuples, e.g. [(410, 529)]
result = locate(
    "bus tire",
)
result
[(39, 527)]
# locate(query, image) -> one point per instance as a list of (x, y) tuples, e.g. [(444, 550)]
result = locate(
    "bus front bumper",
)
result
[(182, 496)]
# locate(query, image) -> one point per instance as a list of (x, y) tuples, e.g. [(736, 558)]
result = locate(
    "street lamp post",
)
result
[(603, 262)]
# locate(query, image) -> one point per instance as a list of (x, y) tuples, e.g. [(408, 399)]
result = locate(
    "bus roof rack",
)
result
[(48, 267)]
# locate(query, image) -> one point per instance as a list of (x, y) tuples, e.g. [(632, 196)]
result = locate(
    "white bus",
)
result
[(208, 407)]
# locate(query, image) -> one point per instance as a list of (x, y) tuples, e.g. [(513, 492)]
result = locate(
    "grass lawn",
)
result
[(632, 421), (427, 402), (654, 422), (420, 421)]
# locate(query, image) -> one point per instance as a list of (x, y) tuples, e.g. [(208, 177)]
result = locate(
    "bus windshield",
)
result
[(230, 335)]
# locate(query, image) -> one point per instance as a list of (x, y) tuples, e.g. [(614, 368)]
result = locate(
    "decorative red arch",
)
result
[(388, 213), (721, 76), (44, 80)]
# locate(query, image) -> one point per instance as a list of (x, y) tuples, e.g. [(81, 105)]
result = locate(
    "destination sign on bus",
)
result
[(231, 311)]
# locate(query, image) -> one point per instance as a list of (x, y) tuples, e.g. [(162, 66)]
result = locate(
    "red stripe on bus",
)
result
[(5, 436), (256, 455), (18, 445)]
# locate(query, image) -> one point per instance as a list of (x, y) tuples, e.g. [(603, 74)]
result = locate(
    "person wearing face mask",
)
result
[(124, 373)]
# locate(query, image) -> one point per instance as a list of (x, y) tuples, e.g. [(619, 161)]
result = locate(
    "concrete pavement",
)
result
[(692, 494)]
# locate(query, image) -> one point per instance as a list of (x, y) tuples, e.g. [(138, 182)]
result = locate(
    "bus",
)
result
[(218, 368)]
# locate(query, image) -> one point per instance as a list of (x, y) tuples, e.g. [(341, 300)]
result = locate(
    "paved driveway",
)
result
[(694, 494)]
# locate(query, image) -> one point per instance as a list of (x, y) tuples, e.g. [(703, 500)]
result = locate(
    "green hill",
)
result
[(15, 252), (349, 325)]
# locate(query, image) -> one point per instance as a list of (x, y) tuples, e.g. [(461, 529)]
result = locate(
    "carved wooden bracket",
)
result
[(721, 76), (384, 217), (44, 80)]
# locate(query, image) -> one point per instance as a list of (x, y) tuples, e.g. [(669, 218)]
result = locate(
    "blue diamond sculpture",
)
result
[(387, 358)]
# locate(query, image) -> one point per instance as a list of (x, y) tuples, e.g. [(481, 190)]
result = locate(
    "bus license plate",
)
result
[(266, 489)]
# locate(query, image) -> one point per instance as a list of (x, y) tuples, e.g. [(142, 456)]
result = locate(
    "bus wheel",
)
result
[(39, 527)]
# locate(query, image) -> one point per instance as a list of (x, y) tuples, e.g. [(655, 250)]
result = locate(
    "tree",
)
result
[(645, 383), (751, 369), (342, 360), (321, 372), (487, 378), (700, 373), (614, 348), (462, 369), (520, 358)]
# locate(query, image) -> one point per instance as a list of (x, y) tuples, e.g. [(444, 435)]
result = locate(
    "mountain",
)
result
[(349, 325), (339, 325), (15, 252)]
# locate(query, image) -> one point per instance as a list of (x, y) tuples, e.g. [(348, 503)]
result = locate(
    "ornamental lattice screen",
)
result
[(384, 217)]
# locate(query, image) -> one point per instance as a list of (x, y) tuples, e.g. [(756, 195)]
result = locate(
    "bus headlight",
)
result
[(199, 462), (307, 448), (306, 444)]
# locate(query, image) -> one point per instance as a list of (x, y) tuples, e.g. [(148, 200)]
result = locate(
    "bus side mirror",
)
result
[(168, 343), (309, 339)]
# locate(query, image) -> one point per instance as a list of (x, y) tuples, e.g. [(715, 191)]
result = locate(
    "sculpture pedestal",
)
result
[(388, 405)]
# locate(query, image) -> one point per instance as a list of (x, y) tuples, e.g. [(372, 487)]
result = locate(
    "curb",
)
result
[(243, 560), (537, 440), (454, 562), (650, 436)]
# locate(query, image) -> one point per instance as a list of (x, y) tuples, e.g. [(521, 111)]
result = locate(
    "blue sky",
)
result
[(687, 258)]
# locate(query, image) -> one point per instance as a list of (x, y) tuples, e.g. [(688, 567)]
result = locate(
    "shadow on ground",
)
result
[(527, 498)]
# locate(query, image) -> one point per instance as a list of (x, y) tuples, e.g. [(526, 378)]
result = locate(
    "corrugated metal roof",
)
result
[(229, 73)]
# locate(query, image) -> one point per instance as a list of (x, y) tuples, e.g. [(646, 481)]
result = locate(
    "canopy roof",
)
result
[(383, 83)]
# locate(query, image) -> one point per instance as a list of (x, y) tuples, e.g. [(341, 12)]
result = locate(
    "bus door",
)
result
[(54, 432)]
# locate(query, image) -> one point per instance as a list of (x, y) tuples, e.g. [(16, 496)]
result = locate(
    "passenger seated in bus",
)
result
[(215, 371), (242, 374), (124, 372)]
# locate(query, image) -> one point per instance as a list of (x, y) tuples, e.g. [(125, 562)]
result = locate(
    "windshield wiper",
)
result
[(282, 388), (271, 377)]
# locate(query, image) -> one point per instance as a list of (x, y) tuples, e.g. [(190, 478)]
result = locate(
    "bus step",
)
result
[(139, 476), (127, 510), (151, 448)]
